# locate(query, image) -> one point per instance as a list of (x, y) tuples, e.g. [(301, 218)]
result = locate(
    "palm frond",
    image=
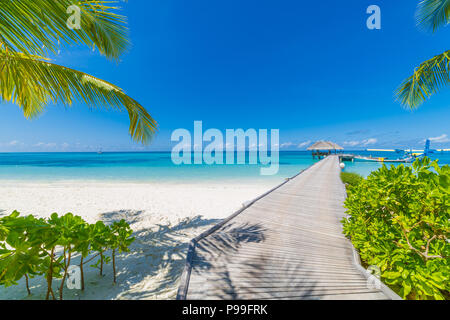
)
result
[(432, 14), (38, 27), (428, 79), (32, 82)]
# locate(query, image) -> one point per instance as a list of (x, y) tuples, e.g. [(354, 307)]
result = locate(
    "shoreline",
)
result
[(267, 180)]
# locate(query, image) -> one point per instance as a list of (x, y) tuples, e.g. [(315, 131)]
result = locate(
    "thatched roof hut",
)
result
[(336, 146), (325, 145)]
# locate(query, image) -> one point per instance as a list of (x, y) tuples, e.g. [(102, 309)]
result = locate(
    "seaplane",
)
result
[(409, 155)]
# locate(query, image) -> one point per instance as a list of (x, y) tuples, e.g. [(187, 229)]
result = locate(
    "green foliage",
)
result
[(427, 79), (399, 221), (33, 30), (120, 236), (32, 247), (351, 178), (433, 14), (433, 74)]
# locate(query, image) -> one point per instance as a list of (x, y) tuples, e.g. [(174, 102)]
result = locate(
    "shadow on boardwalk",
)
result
[(217, 256), (226, 242)]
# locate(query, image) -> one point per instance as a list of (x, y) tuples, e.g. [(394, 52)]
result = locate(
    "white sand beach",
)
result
[(164, 217)]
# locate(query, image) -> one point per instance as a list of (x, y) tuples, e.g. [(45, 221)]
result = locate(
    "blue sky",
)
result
[(309, 68)]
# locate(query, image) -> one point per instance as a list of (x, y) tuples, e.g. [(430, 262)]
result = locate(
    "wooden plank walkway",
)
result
[(288, 244)]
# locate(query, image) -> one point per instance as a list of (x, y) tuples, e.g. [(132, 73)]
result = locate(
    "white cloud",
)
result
[(351, 143), (45, 145), (65, 145), (365, 142), (304, 144), (369, 141), (441, 139), (229, 146), (13, 143), (286, 145)]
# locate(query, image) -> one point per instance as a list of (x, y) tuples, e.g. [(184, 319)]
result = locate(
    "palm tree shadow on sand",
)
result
[(153, 267)]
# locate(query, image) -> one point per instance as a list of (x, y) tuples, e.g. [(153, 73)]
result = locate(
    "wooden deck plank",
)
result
[(288, 244)]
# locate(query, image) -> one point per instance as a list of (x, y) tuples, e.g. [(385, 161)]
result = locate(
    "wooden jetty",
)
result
[(286, 244), (347, 157)]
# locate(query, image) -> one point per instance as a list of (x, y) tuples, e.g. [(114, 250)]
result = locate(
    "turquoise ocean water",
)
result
[(156, 166)]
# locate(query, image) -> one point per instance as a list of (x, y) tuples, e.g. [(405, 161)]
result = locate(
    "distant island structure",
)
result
[(324, 148)]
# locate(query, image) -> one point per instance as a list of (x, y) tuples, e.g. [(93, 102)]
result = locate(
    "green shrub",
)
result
[(399, 221), (32, 247), (351, 178)]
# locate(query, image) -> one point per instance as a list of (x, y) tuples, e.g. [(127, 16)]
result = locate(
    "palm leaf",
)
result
[(432, 14), (38, 27), (428, 79), (31, 29), (32, 83)]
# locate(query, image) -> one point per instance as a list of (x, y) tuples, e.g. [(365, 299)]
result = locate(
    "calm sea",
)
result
[(156, 166)]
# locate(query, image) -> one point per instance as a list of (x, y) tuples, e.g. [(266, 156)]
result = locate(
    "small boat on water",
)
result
[(383, 159), (408, 156)]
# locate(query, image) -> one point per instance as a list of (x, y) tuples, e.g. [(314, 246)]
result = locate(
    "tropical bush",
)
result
[(351, 178), (399, 221), (31, 247)]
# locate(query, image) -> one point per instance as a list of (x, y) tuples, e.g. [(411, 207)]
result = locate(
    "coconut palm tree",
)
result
[(434, 74), (31, 31)]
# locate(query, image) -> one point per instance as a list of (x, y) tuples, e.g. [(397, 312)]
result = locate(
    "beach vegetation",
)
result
[(434, 74), (399, 221), (351, 178), (35, 31), (31, 247)]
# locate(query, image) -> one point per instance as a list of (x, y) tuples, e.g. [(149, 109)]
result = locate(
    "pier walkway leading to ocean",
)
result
[(287, 244)]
